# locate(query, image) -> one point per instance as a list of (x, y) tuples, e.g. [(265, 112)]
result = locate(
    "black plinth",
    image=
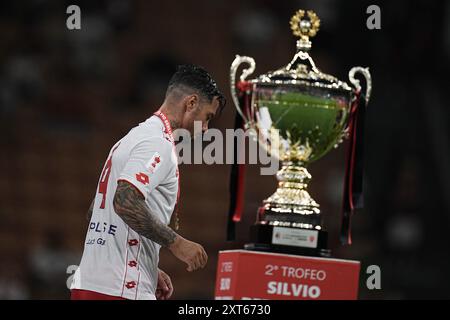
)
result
[(290, 240)]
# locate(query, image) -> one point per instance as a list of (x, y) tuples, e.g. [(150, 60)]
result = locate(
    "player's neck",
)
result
[(174, 119), (174, 124)]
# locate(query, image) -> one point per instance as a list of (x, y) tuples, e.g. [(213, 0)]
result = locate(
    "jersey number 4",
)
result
[(103, 184)]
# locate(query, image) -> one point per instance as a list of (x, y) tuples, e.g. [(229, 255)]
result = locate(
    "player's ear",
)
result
[(192, 102)]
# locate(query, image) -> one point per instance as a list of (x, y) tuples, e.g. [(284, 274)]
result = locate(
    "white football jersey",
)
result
[(116, 260)]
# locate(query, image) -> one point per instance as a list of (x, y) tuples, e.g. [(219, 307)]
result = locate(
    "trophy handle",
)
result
[(365, 72), (245, 73)]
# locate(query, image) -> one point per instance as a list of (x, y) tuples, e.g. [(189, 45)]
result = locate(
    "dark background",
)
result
[(67, 96)]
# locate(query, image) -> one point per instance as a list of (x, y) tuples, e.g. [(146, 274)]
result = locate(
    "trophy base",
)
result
[(305, 242)]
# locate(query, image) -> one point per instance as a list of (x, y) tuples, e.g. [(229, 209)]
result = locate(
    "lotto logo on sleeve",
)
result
[(142, 178), (154, 162)]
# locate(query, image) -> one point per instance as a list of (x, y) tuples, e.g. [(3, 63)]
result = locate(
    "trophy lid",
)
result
[(302, 71)]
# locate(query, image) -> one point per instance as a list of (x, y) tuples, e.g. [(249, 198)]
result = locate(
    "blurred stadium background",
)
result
[(67, 96)]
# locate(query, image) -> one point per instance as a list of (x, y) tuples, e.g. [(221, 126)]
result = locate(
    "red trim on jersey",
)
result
[(138, 267), (137, 286), (168, 129), (126, 262), (122, 179), (79, 294)]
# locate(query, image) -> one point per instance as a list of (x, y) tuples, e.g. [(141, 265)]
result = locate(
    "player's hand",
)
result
[(189, 252), (164, 288)]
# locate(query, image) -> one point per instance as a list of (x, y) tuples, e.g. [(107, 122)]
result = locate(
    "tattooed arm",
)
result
[(130, 205)]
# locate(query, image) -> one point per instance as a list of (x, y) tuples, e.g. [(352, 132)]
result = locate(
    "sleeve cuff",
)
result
[(134, 184)]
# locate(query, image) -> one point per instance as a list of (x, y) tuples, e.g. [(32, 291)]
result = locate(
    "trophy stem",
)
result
[(290, 220), (291, 205)]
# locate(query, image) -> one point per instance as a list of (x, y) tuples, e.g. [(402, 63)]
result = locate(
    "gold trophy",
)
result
[(298, 114)]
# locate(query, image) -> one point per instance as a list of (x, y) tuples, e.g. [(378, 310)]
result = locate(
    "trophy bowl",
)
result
[(299, 114)]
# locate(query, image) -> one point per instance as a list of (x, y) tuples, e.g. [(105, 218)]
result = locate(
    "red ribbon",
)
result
[(353, 172), (237, 179)]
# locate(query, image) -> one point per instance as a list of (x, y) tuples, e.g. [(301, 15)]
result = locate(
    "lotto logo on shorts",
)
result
[(132, 242), (142, 178), (132, 264), (154, 163), (130, 285)]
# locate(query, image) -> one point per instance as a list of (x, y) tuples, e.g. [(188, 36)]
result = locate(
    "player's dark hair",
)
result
[(189, 76)]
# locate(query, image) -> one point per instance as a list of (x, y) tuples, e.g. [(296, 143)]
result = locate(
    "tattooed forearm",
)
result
[(89, 213), (130, 205)]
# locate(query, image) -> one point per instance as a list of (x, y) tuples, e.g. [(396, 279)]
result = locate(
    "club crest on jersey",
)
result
[(154, 163), (142, 178)]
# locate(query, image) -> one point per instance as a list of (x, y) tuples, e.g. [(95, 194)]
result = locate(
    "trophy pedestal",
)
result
[(270, 238), (243, 274)]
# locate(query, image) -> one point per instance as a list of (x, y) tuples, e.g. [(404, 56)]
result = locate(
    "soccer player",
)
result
[(136, 196)]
